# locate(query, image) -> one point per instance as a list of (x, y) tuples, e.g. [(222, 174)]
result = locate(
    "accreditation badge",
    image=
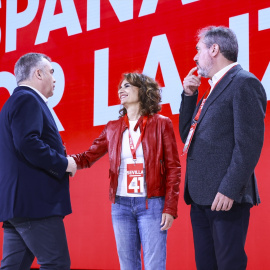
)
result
[(135, 178)]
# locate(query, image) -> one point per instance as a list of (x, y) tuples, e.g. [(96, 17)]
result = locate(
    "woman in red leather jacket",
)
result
[(144, 173)]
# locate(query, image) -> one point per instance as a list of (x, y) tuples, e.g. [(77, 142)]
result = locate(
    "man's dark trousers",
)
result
[(25, 239), (219, 237)]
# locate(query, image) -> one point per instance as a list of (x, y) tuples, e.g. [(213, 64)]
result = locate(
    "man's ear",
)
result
[(38, 74), (214, 50)]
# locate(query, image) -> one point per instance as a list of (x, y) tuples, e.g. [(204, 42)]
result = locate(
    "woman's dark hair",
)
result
[(149, 93)]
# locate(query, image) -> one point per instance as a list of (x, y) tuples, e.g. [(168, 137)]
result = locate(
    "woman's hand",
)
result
[(166, 221)]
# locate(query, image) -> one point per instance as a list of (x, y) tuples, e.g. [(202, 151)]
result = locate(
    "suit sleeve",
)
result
[(97, 150), (26, 122), (249, 105), (172, 169), (187, 108)]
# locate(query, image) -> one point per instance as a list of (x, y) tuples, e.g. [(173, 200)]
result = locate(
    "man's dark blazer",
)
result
[(33, 178), (228, 140)]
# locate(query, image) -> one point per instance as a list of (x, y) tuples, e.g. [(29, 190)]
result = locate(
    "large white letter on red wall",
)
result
[(122, 9), (8, 81), (18, 20), (68, 18), (102, 112), (240, 26), (160, 53), (264, 24)]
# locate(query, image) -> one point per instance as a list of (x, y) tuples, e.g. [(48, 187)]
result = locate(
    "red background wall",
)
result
[(89, 228)]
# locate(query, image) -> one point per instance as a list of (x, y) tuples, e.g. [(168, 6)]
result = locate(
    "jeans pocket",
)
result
[(115, 208), (161, 201)]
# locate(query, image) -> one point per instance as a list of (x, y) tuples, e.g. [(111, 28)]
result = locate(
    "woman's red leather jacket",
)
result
[(162, 165)]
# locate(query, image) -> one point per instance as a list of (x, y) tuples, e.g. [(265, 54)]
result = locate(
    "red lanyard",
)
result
[(196, 118), (205, 96), (131, 144)]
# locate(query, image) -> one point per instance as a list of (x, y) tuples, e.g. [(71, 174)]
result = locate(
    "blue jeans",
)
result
[(134, 225), (25, 239)]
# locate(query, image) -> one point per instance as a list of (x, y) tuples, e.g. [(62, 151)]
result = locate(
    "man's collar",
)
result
[(220, 73), (41, 95)]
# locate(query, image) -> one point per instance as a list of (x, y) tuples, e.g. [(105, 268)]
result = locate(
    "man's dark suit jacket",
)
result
[(33, 178), (228, 140)]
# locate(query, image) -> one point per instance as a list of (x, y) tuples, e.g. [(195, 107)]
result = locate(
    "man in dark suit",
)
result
[(34, 178), (223, 135)]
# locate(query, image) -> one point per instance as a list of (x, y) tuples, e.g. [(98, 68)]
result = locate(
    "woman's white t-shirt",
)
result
[(126, 158)]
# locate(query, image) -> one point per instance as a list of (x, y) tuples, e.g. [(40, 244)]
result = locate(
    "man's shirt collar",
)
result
[(41, 95), (219, 74)]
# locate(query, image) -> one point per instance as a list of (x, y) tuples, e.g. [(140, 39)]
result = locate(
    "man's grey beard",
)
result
[(204, 72)]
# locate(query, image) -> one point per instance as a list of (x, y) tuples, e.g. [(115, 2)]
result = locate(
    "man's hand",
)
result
[(72, 166), (222, 202), (166, 221), (191, 82)]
